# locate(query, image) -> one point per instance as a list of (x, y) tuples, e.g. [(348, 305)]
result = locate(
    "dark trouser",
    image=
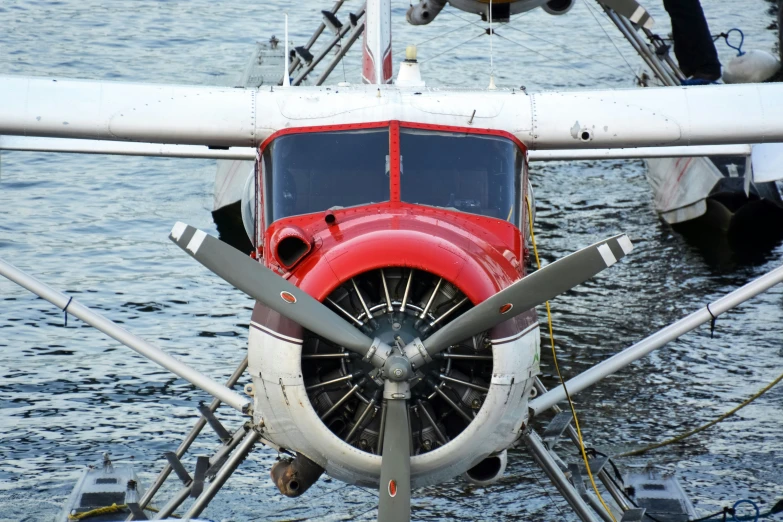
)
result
[(693, 45)]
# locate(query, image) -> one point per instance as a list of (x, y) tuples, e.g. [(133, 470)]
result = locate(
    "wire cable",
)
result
[(452, 48), (548, 58), (560, 376), (534, 51), (564, 47), (491, 53), (590, 9), (443, 34)]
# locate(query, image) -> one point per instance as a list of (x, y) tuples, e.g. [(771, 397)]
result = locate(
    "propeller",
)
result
[(530, 291), (397, 369), (267, 287)]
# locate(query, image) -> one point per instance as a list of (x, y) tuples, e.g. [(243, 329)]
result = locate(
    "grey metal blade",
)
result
[(265, 286), (532, 290), (177, 466), (396, 465), (136, 511), (199, 475), (631, 10)]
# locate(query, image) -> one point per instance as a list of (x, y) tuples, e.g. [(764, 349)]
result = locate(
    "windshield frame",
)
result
[(394, 127)]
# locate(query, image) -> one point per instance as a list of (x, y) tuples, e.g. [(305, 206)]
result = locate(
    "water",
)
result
[(96, 227)]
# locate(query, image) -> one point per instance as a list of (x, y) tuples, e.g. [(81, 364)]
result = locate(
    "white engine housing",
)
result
[(281, 402)]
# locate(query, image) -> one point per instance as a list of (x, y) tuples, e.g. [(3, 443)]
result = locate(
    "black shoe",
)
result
[(702, 78)]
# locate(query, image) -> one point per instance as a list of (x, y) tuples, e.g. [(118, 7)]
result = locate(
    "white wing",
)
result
[(220, 117), (86, 109)]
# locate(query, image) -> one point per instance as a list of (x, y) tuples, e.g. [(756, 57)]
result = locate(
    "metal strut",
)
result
[(216, 461), (573, 490), (603, 476), (298, 59), (234, 448), (545, 460), (304, 61), (665, 70), (244, 449), (355, 31), (190, 437)]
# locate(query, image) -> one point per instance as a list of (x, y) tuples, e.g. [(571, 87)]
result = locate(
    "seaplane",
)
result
[(729, 193), (394, 342)]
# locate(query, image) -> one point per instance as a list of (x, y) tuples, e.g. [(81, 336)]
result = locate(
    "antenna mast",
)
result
[(286, 73), (491, 62)]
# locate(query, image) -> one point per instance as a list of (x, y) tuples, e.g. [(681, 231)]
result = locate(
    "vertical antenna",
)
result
[(491, 63), (286, 73)]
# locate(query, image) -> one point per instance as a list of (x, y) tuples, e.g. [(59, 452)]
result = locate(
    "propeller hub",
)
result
[(397, 368)]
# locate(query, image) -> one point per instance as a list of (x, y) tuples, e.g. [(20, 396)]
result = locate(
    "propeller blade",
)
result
[(395, 489), (532, 290), (631, 10), (265, 286)]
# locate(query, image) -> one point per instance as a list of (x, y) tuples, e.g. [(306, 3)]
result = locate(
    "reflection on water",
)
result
[(96, 227)]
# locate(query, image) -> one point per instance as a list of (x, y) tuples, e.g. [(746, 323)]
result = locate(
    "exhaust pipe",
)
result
[(487, 471), (558, 7), (295, 476), (425, 12)]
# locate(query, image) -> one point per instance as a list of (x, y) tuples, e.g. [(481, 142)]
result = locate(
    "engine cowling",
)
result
[(324, 403)]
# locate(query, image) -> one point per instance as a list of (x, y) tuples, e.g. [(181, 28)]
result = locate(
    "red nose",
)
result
[(478, 255)]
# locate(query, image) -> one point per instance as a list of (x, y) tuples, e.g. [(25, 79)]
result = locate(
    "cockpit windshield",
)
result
[(471, 173), (316, 171)]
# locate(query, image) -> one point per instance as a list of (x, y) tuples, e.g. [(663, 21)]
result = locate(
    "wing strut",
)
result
[(133, 342), (657, 340)]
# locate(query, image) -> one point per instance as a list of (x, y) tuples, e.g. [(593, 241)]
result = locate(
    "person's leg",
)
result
[(693, 45)]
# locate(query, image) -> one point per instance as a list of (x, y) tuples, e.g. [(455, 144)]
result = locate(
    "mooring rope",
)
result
[(703, 427), (114, 508), (106, 510)]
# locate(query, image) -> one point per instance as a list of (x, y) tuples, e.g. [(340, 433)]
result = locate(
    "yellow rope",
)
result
[(114, 508), (687, 434), (560, 376)]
